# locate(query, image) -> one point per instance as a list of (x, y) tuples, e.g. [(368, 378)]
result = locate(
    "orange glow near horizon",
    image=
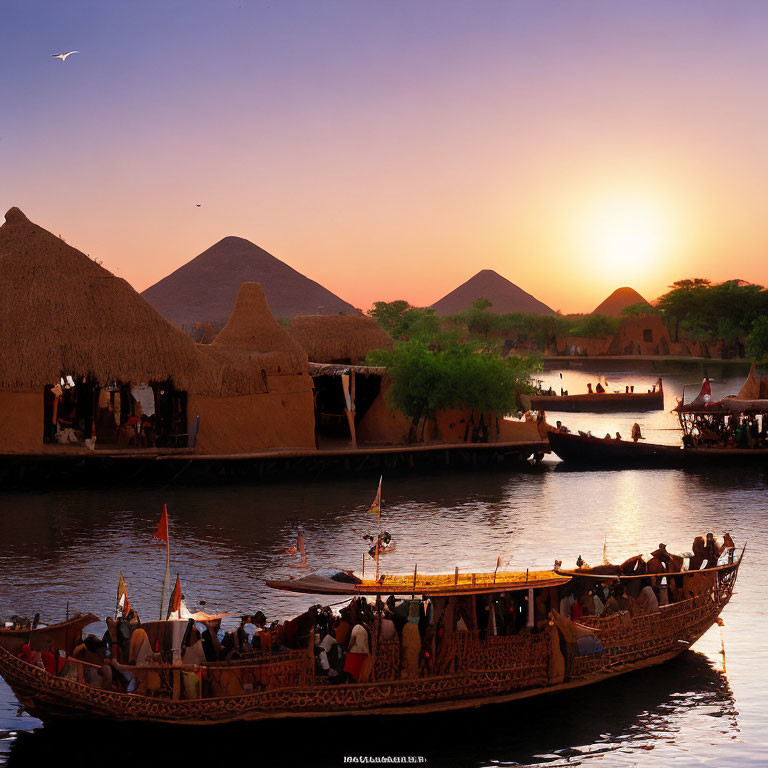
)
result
[(392, 153)]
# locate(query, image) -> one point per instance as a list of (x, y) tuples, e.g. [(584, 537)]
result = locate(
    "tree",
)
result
[(402, 321), (426, 379), (681, 302), (595, 326), (757, 341)]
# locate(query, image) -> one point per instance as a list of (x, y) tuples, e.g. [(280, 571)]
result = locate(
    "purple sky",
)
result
[(391, 150)]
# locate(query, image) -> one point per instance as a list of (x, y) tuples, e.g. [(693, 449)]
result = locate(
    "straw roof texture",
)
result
[(61, 313), (338, 338), (253, 340)]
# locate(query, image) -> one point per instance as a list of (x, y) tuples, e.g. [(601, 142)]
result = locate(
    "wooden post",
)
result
[(456, 576), (363, 564), (415, 568)]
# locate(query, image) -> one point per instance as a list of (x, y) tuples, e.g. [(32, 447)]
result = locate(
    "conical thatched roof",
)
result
[(338, 338), (61, 313), (253, 336)]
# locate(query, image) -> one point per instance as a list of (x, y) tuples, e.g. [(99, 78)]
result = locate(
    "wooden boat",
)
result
[(466, 668), (603, 402), (599, 452), (607, 453), (62, 635)]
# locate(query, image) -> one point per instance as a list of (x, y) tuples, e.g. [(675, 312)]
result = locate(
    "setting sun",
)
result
[(624, 235)]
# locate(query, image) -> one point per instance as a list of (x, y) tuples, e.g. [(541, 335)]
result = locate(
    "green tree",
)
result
[(403, 321), (595, 326), (757, 341), (426, 379), (682, 302)]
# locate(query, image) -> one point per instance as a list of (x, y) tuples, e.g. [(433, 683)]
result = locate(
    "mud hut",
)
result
[(73, 336), (342, 339), (266, 397), (63, 315)]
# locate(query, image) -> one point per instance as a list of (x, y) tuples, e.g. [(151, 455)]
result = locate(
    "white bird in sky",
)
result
[(62, 56)]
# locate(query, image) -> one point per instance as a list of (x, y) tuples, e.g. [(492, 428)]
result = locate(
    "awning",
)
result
[(429, 585), (331, 369)]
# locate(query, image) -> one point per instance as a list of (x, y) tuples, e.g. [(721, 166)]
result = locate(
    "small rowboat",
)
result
[(62, 635)]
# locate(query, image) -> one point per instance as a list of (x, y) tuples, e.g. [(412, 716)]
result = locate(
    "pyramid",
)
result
[(505, 296), (204, 290), (618, 300)]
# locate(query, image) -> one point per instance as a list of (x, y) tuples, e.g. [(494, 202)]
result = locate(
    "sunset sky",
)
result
[(393, 149)]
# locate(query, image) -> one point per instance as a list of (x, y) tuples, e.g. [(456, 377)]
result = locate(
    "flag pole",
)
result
[(167, 576)]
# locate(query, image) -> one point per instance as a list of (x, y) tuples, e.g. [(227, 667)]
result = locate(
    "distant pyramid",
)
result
[(618, 300), (204, 289), (504, 296)]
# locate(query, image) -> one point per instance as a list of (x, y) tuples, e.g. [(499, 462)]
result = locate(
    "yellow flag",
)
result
[(375, 508)]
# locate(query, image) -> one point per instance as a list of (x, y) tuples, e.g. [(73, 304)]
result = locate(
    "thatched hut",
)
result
[(268, 399), (343, 339), (63, 315)]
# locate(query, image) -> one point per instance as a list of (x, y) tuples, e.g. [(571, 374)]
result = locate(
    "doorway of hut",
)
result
[(79, 412), (342, 394)]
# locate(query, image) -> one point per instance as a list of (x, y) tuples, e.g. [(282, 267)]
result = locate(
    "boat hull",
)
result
[(599, 453), (494, 670), (600, 403)]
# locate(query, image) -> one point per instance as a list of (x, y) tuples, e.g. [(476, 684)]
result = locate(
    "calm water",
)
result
[(706, 707)]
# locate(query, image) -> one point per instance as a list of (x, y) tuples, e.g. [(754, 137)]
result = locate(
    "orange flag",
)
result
[(162, 527), (174, 604)]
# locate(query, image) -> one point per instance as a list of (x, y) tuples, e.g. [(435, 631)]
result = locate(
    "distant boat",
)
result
[(599, 402)]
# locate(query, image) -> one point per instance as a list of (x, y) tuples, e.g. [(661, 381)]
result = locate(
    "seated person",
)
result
[(647, 601), (600, 389), (96, 672), (617, 602)]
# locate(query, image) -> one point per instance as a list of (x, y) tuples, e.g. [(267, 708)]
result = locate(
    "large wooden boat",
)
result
[(466, 668), (606, 453), (599, 402)]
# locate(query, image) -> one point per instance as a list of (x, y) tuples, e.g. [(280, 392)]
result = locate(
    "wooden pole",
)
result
[(167, 577), (363, 564), (456, 576), (415, 568)]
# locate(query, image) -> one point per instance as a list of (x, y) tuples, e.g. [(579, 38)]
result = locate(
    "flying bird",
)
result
[(198, 204), (62, 56)]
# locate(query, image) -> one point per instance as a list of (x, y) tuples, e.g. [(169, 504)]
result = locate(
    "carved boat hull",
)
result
[(494, 670)]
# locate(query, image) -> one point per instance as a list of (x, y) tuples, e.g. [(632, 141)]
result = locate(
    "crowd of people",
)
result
[(655, 584), (719, 431)]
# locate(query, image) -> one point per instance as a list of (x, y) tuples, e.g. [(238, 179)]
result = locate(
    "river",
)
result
[(64, 549)]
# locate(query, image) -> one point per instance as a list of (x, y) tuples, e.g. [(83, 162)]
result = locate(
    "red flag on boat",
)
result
[(162, 527), (174, 604)]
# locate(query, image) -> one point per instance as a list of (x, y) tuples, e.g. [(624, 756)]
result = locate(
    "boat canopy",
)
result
[(428, 585), (749, 400)]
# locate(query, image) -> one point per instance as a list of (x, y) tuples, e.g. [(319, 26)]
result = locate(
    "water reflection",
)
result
[(616, 722), (69, 546)]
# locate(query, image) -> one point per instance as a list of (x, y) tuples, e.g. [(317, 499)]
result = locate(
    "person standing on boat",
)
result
[(589, 388), (636, 434)]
